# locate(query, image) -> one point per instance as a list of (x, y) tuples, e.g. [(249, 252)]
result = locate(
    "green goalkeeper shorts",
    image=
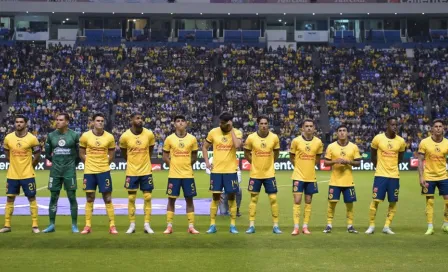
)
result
[(55, 183)]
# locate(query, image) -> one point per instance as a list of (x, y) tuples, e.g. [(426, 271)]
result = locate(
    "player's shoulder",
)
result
[(399, 138), (148, 132), (30, 135), (214, 130), (11, 135), (317, 139), (190, 137), (87, 133), (252, 135), (238, 131), (352, 145), (108, 135), (426, 140), (333, 145), (273, 135), (170, 137)]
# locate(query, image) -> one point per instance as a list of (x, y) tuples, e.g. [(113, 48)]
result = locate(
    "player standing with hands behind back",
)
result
[(136, 145), (225, 140), (304, 154), (20, 146), (387, 153), (262, 149), (97, 151)]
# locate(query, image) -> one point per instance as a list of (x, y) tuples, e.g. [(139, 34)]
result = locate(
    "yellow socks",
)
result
[(147, 206), (307, 216), (253, 207), (330, 212), (274, 207), (232, 209), (131, 207), (213, 210), (190, 217), (9, 209), (89, 211), (391, 213), (350, 213), (296, 214), (33, 210), (111, 214), (429, 210), (372, 213), (169, 217)]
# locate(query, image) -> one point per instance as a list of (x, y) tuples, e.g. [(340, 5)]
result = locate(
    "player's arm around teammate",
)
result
[(432, 153), (341, 156), (225, 140), (20, 146), (97, 150), (387, 153), (262, 149), (180, 152), (305, 153), (137, 144)]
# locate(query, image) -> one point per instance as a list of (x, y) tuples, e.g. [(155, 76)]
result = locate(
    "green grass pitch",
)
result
[(408, 250)]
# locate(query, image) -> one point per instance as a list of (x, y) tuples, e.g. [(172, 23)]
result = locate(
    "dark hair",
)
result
[(307, 120), (438, 120), (391, 118), (66, 116), (98, 114), (342, 126), (22, 117), (135, 114), (226, 116), (179, 116), (262, 117)]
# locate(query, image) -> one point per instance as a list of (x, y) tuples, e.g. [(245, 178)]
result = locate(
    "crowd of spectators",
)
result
[(278, 83), (364, 87), (361, 88)]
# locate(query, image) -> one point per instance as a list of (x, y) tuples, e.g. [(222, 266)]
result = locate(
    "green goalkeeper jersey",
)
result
[(62, 150)]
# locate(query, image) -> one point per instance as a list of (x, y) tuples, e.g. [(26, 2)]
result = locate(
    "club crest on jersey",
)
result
[(138, 142), (263, 145), (307, 148), (19, 145), (343, 154), (97, 143), (437, 149), (390, 146), (61, 142), (181, 145), (224, 140)]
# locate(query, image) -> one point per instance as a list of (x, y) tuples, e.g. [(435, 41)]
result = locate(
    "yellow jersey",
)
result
[(262, 150), (180, 155), (97, 147), (20, 155), (435, 158), (139, 159), (305, 160), (224, 152), (388, 150), (341, 174)]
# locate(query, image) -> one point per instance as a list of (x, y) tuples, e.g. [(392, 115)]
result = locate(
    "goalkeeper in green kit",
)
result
[(61, 148)]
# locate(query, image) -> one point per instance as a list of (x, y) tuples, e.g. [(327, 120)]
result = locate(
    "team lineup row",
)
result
[(96, 148)]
